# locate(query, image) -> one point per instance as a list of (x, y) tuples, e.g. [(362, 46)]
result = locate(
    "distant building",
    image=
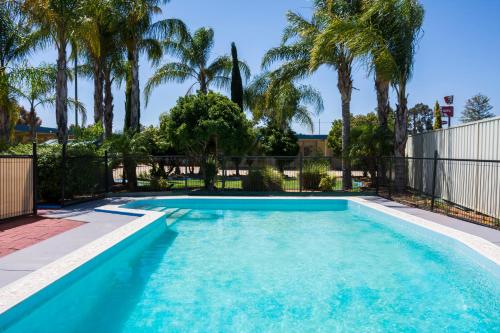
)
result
[(43, 134), (314, 145)]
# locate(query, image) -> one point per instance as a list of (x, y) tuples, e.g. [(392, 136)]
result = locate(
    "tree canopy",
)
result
[(477, 107), (206, 123)]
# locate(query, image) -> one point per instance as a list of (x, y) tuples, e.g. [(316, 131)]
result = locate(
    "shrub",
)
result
[(327, 183), (312, 173), (266, 179), (83, 172), (209, 172)]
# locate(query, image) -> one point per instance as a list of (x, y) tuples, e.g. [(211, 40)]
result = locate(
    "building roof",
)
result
[(39, 129), (312, 136)]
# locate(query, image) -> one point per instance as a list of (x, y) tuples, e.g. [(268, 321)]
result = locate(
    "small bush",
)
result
[(210, 172), (327, 183), (159, 184), (312, 173), (266, 179)]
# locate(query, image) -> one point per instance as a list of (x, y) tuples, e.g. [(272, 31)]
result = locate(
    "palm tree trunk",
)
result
[(345, 88), (400, 137), (382, 90), (62, 94), (135, 107), (32, 123), (98, 92), (108, 103)]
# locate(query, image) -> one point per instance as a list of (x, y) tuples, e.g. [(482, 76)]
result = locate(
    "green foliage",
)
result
[(420, 118), (193, 53), (82, 172), (92, 133), (368, 141), (327, 183), (236, 81), (437, 117), (266, 179), (209, 168), (312, 172), (279, 102), (477, 108), (202, 124), (278, 142)]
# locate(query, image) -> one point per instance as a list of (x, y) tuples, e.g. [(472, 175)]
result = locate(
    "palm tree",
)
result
[(302, 52), (193, 53), (395, 28), (16, 40), (279, 103), (36, 86), (57, 21), (140, 33), (98, 35)]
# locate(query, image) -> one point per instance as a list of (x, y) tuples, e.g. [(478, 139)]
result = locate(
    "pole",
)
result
[(300, 172), (76, 85), (63, 173), (434, 172), (35, 178), (106, 171)]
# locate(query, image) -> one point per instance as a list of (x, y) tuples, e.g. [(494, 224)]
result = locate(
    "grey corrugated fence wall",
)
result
[(472, 184)]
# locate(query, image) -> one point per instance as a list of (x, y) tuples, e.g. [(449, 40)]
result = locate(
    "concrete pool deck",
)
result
[(97, 224)]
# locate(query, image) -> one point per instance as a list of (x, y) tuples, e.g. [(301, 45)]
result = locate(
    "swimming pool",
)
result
[(284, 265)]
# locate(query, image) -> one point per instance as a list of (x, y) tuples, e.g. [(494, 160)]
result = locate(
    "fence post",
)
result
[(63, 173), (389, 180), (186, 165), (223, 172), (35, 178), (300, 171), (106, 171), (434, 172), (377, 174)]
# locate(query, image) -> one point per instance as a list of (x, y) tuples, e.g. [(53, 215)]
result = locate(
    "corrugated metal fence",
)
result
[(16, 186), (468, 170)]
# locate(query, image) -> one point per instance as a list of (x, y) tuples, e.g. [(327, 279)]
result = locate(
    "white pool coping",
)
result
[(20, 290)]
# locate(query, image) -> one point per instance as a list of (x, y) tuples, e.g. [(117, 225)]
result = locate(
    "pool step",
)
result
[(177, 214)]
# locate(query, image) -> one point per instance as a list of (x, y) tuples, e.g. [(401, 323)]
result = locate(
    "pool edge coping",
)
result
[(20, 290), (25, 287)]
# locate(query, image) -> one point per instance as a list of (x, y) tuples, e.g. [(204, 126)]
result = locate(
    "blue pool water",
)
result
[(274, 266)]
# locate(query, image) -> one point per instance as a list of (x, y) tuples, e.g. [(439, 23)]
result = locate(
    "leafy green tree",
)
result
[(420, 118), (193, 53), (275, 141), (476, 108), (438, 123), (205, 124), (57, 21), (236, 81), (368, 142), (280, 102)]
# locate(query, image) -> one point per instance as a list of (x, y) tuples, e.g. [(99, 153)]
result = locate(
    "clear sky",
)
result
[(459, 54)]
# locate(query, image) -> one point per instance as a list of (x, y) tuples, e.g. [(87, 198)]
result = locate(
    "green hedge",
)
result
[(266, 179)]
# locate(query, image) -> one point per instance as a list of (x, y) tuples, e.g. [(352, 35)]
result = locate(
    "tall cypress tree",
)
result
[(437, 116), (236, 82)]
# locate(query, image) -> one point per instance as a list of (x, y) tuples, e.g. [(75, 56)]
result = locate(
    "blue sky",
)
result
[(459, 54)]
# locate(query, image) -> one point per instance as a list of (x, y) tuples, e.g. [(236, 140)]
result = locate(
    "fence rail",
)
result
[(465, 188)]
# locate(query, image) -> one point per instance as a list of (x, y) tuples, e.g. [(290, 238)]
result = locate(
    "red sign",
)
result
[(447, 110), (448, 99)]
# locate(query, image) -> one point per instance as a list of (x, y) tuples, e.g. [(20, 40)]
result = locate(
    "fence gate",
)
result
[(16, 186)]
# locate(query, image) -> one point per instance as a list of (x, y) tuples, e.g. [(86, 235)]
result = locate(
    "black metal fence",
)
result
[(464, 188)]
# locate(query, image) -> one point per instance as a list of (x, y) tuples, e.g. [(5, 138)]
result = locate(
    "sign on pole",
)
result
[(448, 99), (448, 110)]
